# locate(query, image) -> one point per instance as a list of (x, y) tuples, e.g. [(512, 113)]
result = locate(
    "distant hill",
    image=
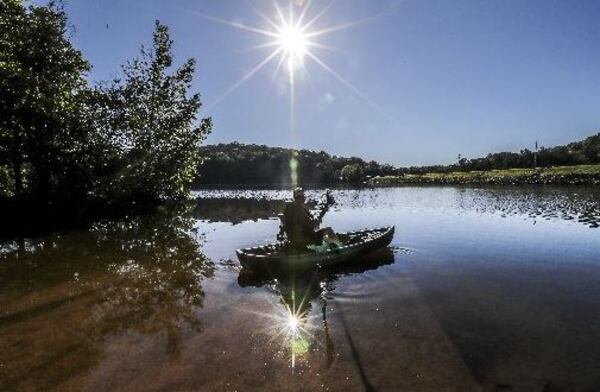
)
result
[(251, 164)]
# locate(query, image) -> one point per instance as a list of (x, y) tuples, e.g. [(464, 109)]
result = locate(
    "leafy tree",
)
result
[(352, 174), (147, 126), (65, 147), (41, 88)]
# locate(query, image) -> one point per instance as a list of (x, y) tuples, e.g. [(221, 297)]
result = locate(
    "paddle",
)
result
[(324, 206)]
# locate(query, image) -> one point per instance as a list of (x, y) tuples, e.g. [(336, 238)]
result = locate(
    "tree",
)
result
[(147, 126), (41, 88), (352, 173)]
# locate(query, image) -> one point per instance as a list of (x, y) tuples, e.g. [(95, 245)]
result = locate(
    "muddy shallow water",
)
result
[(481, 289)]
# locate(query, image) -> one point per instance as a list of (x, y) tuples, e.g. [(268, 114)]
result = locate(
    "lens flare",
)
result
[(294, 169)]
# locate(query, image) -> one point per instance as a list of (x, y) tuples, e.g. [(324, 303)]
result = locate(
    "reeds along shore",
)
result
[(560, 175)]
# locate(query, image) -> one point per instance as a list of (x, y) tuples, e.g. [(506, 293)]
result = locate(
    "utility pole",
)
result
[(535, 155)]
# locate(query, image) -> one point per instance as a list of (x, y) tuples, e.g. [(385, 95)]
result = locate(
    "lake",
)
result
[(481, 289)]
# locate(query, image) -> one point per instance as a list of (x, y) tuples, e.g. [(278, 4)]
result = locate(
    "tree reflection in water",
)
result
[(298, 291), (142, 274), (155, 282)]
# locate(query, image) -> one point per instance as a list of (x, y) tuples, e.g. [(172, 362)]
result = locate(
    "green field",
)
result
[(560, 175)]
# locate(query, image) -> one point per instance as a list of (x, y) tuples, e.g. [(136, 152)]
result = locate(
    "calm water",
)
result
[(482, 289)]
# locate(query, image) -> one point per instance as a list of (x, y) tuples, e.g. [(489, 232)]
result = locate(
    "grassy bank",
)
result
[(560, 175)]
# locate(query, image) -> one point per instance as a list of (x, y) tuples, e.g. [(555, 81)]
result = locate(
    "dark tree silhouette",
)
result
[(42, 85), (237, 163), (146, 123), (69, 148)]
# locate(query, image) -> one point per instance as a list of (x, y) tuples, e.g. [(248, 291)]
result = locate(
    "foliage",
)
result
[(63, 143), (585, 152), (560, 175), (239, 164), (41, 87), (236, 163), (352, 173), (146, 123)]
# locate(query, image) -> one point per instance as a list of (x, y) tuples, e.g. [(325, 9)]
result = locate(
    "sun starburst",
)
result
[(293, 43), (293, 39)]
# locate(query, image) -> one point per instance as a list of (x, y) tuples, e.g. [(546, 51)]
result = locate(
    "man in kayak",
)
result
[(299, 225)]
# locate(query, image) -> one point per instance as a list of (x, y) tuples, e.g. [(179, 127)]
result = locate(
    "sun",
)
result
[(292, 41), (292, 38)]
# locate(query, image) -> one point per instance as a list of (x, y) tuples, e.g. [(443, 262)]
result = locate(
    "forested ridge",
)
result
[(239, 164)]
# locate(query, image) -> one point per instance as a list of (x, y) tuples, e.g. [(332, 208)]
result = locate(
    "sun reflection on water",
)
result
[(298, 337), (291, 326), (295, 320)]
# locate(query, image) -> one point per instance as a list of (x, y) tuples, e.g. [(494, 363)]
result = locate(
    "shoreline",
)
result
[(558, 175)]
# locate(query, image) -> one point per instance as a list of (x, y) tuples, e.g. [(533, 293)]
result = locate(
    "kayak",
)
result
[(277, 256)]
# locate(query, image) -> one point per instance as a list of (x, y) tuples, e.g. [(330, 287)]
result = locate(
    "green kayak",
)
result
[(277, 256)]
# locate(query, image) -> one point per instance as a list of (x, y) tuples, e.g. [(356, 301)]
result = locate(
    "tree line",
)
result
[(65, 142), (584, 152), (239, 164)]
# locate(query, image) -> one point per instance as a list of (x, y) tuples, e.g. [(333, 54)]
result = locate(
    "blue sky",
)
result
[(434, 78)]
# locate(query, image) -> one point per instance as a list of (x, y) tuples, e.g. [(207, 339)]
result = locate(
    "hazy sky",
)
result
[(429, 79)]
